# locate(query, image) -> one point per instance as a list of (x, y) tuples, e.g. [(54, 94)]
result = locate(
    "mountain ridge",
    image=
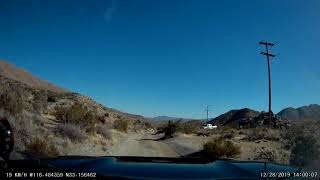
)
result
[(308, 112)]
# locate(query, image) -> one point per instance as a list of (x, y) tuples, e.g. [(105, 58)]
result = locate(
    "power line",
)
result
[(268, 54)]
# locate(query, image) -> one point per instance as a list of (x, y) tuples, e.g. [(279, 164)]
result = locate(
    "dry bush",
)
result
[(24, 127), (272, 155), (75, 114), (42, 148), (72, 131), (141, 125), (220, 148), (90, 129), (306, 128), (168, 129), (103, 131), (11, 101), (305, 150), (203, 132), (121, 125), (228, 134), (302, 139), (267, 134), (188, 128)]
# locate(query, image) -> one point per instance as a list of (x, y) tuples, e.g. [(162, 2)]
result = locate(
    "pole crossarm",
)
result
[(266, 43), (268, 54)]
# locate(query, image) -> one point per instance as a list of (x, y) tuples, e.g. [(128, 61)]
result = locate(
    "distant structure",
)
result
[(268, 55), (210, 126), (207, 110)]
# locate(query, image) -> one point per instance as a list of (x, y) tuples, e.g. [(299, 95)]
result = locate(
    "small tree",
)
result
[(170, 129)]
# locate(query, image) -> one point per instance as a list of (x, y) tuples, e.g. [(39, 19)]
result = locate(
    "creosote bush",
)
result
[(220, 148), (72, 131)]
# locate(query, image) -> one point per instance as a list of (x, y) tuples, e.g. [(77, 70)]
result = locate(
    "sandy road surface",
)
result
[(146, 144)]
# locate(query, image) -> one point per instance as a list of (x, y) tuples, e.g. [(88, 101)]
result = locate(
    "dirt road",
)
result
[(146, 144), (142, 144)]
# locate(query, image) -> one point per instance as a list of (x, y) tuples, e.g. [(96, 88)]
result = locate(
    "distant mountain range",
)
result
[(311, 112), (168, 118)]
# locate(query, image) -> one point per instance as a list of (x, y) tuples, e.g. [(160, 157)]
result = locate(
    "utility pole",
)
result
[(207, 110), (268, 55)]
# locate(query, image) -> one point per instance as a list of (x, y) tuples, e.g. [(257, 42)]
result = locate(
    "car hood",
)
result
[(167, 168)]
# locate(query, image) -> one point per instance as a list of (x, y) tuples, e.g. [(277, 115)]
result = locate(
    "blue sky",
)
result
[(168, 57)]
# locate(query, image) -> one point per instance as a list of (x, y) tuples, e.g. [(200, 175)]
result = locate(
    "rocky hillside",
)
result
[(43, 97), (49, 121), (310, 112), (11, 72), (235, 116)]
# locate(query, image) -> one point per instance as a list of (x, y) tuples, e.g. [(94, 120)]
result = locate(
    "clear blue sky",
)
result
[(168, 57)]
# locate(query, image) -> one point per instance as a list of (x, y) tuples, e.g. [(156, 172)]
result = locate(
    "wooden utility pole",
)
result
[(268, 55)]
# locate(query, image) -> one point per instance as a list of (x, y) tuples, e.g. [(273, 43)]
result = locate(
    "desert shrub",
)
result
[(60, 113), (41, 148), (24, 127), (11, 101), (254, 134), (103, 131), (40, 100), (187, 128), (228, 135), (51, 99), (121, 125), (259, 134), (220, 148), (307, 128), (203, 132), (272, 155), (305, 150), (72, 131), (168, 129), (75, 114)]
